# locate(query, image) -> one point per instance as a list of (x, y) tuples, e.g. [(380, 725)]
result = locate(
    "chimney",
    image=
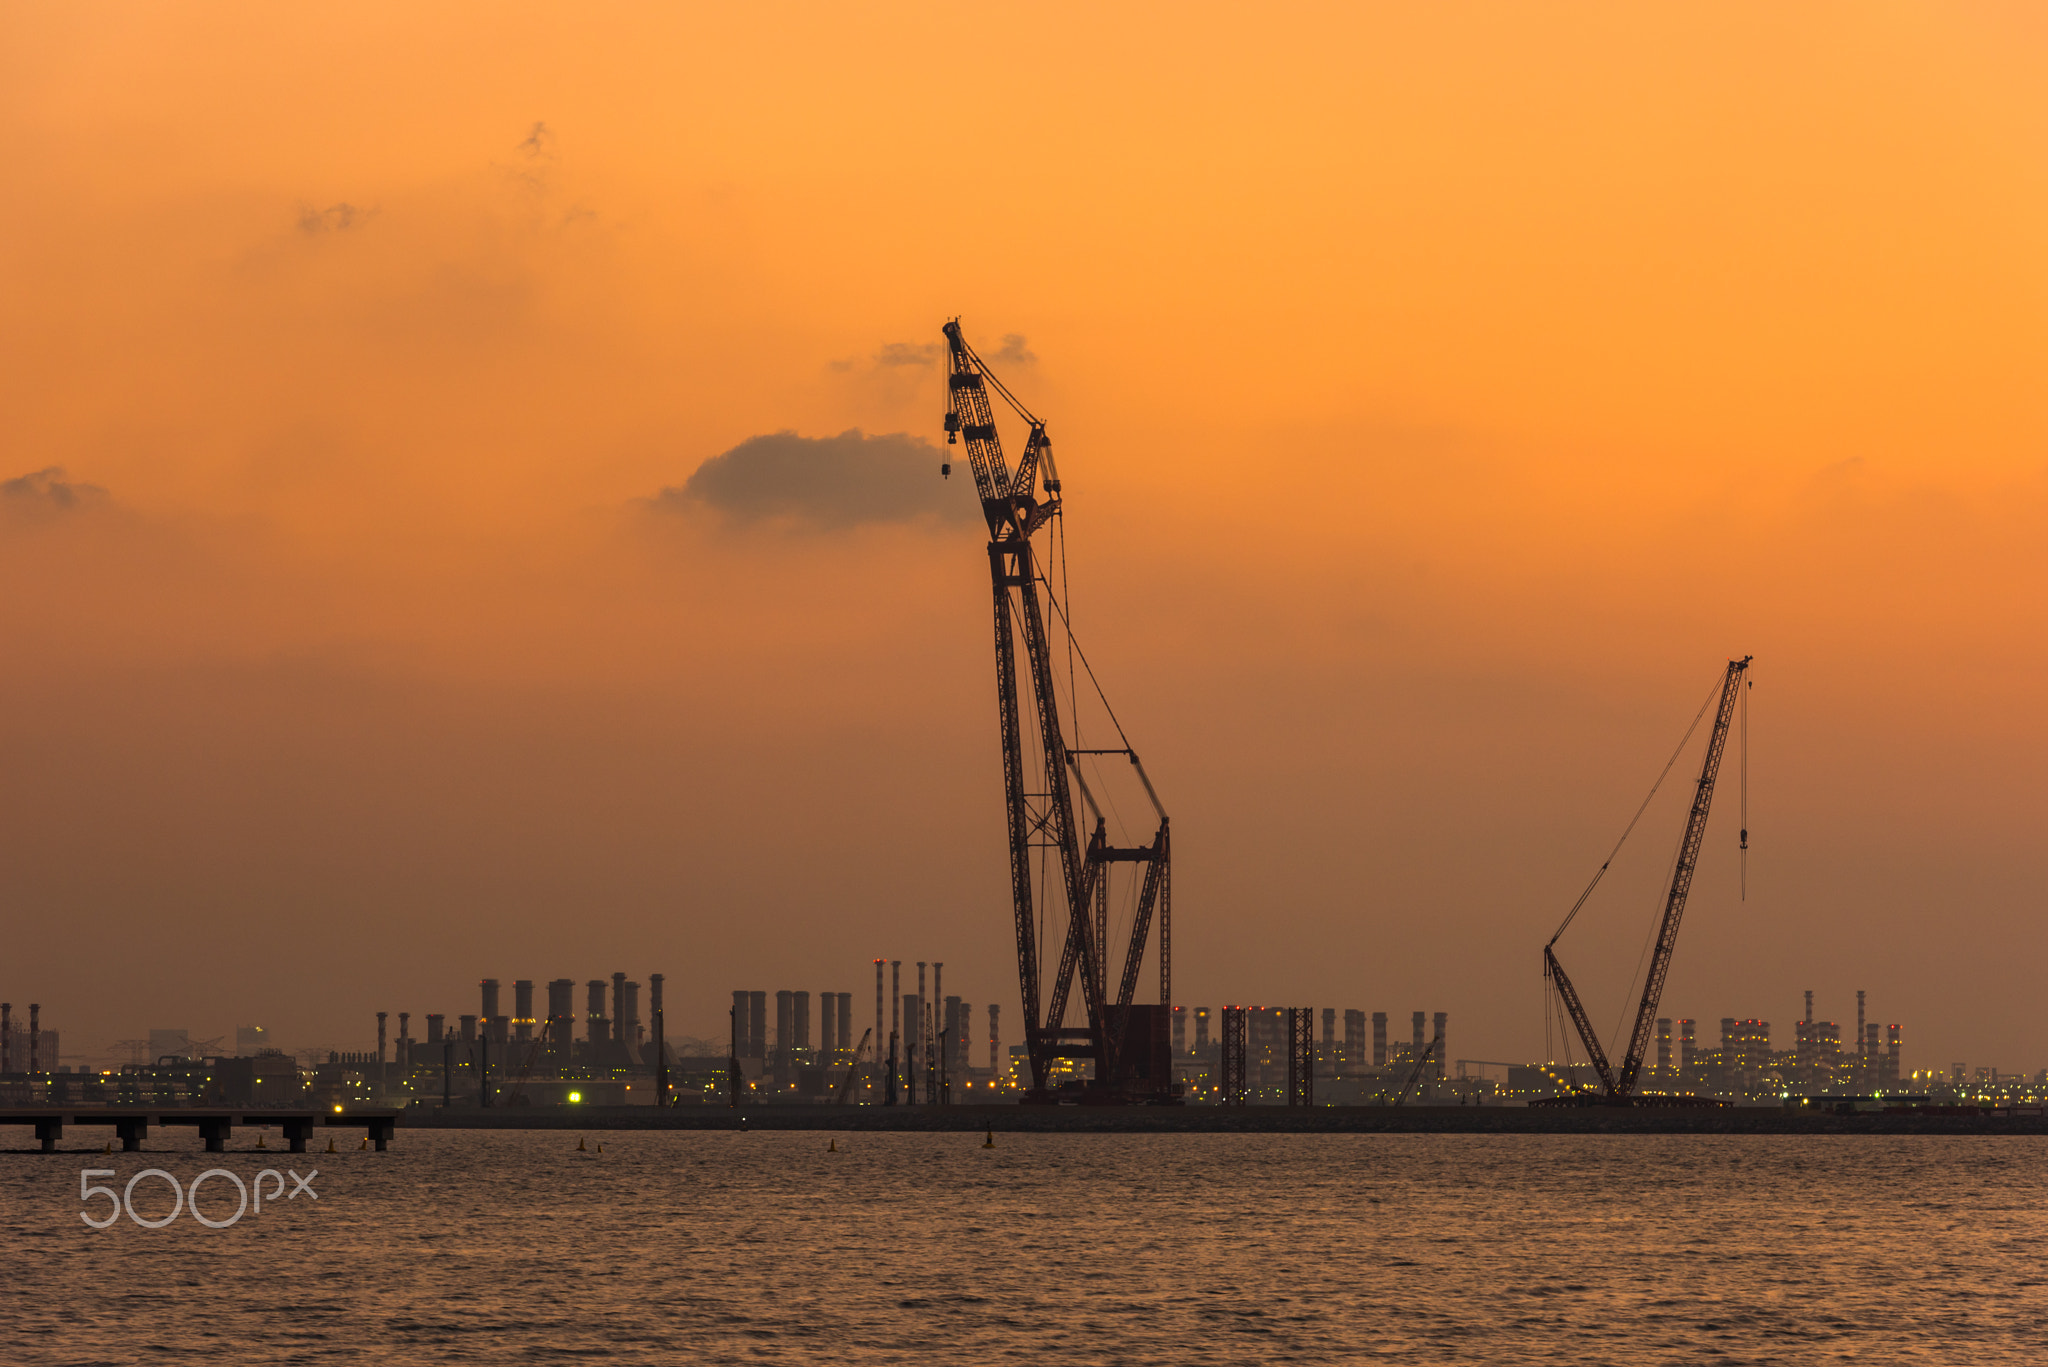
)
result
[(740, 1017), (785, 1032), (846, 1039), (469, 1029), (35, 1038), (1379, 1039), (628, 1028), (561, 1016), (828, 1028), (1416, 1048), (802, 1002), (995, 1034), (1201, 1031), (436, 1023), (757, 1023), (1441, 1017), (6, 1038), (1891, 1062), (489, 987), (1862, 1049), (881, 1040), (522, 1009), (1664, 1044), (597, 1029)]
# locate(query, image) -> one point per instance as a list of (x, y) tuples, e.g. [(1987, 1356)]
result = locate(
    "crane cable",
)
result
[(1668, 764), (1747, 684)]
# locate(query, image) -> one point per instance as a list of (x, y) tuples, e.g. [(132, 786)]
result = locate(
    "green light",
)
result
[(575, 1096)]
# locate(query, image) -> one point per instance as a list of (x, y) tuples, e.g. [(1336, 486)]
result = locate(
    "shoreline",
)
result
[(1014, 1119)]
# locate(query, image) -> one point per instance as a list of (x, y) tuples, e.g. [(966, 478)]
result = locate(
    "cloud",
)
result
[(833, 482), (335, 218), (908, 353), (1014, 351), (47, 493), (539, 141)]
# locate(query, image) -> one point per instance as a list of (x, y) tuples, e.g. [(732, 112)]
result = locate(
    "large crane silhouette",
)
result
[(1618, 1085), (1126, 1041)]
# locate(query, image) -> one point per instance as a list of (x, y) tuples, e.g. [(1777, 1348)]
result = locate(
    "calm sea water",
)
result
[(1049, 1249)]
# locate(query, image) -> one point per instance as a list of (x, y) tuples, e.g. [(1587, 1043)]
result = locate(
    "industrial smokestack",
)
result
[(881, 1040), (802, 1002), (846, 1039), (436, 1027), (7, 1038), (35, 1038), (785, 1033), (1809, 1006), (740, 1016), (1663, 1044), (1417, 1047), (757, 1023), (1891, 1062), (522, 1009), (561, 1016), (995, 1034), (1862, 1050), (1379, 1039), (468, 1024), (404, 1040), (895, 1019), (1441, 1018), (629, 1023), (597, 1029), (1329, 1059), (489, 988), (1688, 1043), (1201, 1031)]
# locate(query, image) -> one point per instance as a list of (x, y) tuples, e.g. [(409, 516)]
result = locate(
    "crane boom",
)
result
[(1570, 996), (1621, 1083), (1681, 878)]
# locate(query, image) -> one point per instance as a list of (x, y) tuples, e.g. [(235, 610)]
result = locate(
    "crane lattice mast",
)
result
[(1126, 1041)]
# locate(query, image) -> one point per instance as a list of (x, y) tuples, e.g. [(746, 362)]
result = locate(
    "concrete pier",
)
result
[(216, 1125)]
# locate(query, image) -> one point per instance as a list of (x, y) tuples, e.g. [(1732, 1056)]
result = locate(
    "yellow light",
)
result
[(337, 1108), (573, 1096)]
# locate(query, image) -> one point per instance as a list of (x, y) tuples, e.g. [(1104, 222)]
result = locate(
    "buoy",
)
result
[(109, 1148), (600, 1146), (990, 1142), (581, 1147), (330, 1143), (832, 1147), (365, 1144), (260, 1144)]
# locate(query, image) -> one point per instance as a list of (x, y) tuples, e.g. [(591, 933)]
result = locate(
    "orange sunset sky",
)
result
[(1443, 394)]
